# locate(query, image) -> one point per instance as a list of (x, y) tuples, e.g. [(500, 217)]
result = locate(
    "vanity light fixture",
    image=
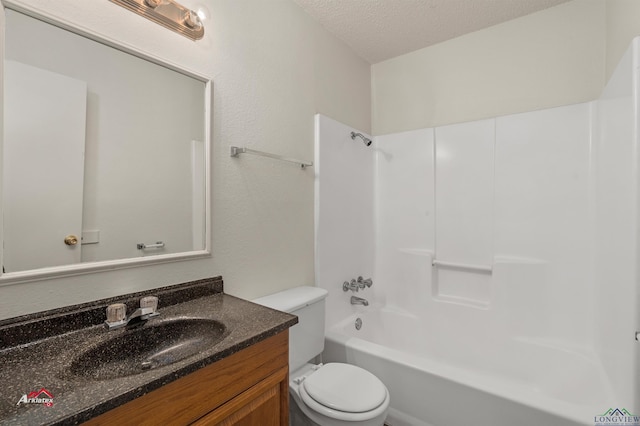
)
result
[(167, 13)]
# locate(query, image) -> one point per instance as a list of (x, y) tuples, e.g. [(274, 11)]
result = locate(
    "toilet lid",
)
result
[(345, 387)]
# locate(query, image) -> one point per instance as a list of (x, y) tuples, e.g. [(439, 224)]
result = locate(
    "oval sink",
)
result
[(148, 347)]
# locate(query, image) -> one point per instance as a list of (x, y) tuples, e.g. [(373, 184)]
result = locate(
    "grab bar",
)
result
[(466, 266), (142, 246), (236, 151)]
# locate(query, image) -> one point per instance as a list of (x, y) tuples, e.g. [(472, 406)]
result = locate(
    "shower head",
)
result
[(366, 140)]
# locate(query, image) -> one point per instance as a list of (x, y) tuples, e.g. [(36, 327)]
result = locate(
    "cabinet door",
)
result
[(264, 404), (232, 382)]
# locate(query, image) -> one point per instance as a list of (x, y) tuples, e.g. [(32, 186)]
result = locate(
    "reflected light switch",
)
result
[(90, 236)]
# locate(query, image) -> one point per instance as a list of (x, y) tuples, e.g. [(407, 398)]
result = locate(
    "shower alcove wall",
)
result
[(545, 203)]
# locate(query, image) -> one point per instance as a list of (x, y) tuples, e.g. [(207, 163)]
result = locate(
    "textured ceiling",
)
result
[(382, 29)]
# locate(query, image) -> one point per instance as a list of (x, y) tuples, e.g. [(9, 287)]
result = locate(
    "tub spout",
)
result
[(359, 301)]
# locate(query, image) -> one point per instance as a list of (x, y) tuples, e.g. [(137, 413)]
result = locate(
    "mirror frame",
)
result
[(107, 265)]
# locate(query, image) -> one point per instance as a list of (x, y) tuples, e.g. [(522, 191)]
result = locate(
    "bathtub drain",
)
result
[(358, 323)]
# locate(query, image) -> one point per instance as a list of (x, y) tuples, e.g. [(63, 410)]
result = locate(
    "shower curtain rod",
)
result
[(235, 151)]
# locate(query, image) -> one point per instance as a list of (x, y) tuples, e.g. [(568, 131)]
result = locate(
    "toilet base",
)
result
[(297, 417)]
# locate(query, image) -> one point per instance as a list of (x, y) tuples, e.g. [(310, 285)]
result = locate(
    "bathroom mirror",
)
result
[(105, 154)]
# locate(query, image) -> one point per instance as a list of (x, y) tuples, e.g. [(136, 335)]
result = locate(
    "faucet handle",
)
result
[(116, 312), (353, 286), (362, 282), (116, 315), (149, 302), (149, 306)]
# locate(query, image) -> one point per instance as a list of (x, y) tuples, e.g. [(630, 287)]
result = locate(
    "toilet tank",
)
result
[(306, 339)]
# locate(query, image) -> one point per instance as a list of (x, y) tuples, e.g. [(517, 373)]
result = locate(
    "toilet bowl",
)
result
[(333, 394), (338, 394)]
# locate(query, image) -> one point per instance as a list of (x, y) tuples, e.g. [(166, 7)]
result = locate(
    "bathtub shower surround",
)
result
[(344, 218), (505, 262)]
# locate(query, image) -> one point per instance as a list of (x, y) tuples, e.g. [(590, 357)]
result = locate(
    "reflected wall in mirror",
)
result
[(98, 144)]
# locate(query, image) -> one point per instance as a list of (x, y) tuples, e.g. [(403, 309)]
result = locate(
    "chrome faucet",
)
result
[(359, 301), (354, 285), (362, 282), (117, 313)]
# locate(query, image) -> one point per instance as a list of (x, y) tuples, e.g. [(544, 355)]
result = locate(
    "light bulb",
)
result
[(152, 3), (192, 20)]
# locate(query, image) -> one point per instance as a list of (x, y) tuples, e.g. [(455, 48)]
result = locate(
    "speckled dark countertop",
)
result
[(36, 351)]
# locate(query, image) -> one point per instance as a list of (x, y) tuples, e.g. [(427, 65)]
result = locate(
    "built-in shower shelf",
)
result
[(463, 266)]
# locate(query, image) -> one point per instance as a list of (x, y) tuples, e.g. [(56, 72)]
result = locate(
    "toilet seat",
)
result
[(344, 392)]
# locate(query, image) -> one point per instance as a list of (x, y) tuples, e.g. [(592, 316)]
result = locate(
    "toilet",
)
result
[(333, 394)]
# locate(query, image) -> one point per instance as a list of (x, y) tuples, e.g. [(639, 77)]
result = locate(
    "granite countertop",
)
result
[(37, 350)]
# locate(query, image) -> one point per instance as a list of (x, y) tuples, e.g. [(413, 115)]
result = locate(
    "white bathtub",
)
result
[(435, 380)]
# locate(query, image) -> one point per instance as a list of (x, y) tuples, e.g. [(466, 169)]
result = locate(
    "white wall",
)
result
[(344, 213), (623, 24), (543, 217), (616, 228), (511, 194), (273, 68), (549, 58), (405, 217), (558, 56), (464, 222), (464, 190)]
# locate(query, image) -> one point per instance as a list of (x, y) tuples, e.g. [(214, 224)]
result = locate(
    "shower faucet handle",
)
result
[(362, 282), (353, 286)]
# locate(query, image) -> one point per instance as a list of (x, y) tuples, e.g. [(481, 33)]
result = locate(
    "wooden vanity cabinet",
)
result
[(248, 388)]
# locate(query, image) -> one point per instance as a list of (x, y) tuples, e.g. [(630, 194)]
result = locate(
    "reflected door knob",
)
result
[(71, 240)]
